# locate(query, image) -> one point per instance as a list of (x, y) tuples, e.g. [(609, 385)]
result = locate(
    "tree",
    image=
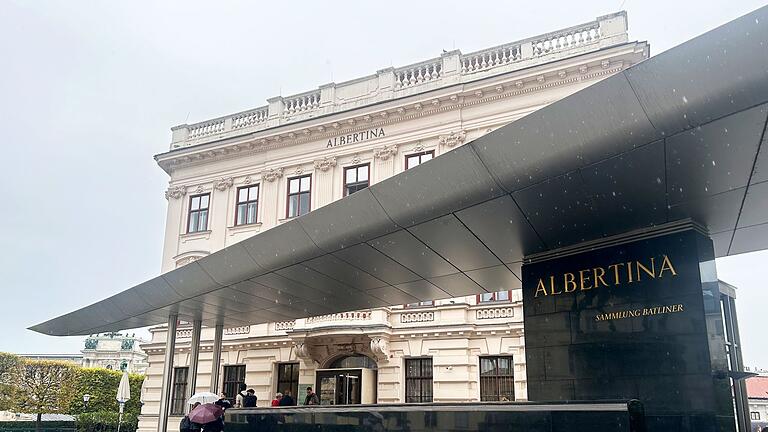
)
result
[(101, 384), (42, 387), (9, 366)]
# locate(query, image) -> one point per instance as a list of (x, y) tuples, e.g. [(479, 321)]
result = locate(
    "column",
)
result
[(165, 389), (217, 340), (194, 358)]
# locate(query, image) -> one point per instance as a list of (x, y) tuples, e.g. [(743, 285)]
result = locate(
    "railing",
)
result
[(410, 317), (488, 59), (237, 330), (502, 312), (566, 39), (285, 325), (250, 118), (301, 103), (343, 316), (450, 68), (409, 76), (182, 334)]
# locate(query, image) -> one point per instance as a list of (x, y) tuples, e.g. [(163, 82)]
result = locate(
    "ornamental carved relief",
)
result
[(380, 348), (199, 190), (453, 138), (175, 192), (224, 184), (355, 159), (247, 180), (272, 174), (385, 152), (326, 163), (302, 352), (419, 148)]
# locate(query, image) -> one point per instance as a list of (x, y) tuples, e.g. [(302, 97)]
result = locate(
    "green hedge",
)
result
[(48, 426), (102, 385), (106, 422)]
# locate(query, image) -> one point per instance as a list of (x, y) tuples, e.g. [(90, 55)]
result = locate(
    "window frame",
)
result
[(344, 177), (479, 297), (289, 194), (207, 211), (179, 391), (225, 383), (293, 385), (754, 415), (247, 202), (420, 380), (496, 378), (419, 155)]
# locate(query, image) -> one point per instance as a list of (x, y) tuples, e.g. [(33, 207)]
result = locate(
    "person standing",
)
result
[(287, 400), (311, 398), (276, 400), (224, 403), (250, 399), (240, 395)]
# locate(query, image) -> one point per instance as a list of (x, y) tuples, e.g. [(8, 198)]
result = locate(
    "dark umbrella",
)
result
[(205, 413)]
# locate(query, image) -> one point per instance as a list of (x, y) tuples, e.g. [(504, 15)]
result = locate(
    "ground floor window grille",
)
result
[(234, 376), (418, 380), (497, 379), (179, 395)]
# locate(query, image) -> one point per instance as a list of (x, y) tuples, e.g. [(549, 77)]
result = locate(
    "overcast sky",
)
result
[(89, 91)]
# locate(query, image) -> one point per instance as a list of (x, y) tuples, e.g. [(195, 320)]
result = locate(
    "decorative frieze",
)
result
[(326, 163), (272, 174), (224, 183), (453, 138), (175, 192), (385, 152)]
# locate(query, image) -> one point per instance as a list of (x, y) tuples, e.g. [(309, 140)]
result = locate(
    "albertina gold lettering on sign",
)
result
[(633, 313), (611, 275)]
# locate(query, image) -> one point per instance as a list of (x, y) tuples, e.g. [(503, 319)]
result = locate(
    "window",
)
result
[(421, 304), (299, 192), (247, 205), (418, 158), (233, 377), (288, 378), (754, 415), (493, 297), (497, 379), (418, 380), (356, 178), (179, 395), (198, 213)]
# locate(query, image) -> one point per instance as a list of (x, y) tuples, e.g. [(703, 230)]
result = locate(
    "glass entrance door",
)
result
[(339, 386)]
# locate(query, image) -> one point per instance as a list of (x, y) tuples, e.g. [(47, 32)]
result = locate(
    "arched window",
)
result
[(353, 361)]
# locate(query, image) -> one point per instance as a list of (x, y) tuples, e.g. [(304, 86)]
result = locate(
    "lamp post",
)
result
[(86, 398)]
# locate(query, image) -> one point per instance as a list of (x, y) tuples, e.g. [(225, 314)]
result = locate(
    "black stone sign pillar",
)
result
[(639, 320)]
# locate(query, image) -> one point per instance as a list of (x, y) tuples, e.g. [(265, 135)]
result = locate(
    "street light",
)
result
[(86, 398)]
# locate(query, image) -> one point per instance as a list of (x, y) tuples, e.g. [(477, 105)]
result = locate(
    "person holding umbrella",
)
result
[(209, 415)]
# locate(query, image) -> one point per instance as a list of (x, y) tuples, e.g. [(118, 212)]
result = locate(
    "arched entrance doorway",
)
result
[(347, 380)]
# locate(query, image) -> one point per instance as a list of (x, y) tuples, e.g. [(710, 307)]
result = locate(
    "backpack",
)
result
[(186, 425), (249, 401)]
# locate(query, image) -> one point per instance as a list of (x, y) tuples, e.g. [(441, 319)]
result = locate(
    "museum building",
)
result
[(236, 176)]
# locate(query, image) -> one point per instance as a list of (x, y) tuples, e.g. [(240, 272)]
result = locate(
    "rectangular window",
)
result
[(299, 193), (179, 395), (497, 379), (288, 378), (233, 377), (247, 205), (198, 213), (418, 380), (493, 297), (356, 178), (754, 415), (418, 158)]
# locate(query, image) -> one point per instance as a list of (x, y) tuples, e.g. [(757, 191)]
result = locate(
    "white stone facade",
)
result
[(431, 106), (115, 351)]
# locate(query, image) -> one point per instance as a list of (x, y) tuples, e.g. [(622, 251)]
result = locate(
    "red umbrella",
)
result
[(205, 413)]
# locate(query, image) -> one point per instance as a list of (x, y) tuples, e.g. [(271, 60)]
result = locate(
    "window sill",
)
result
[(237, 229), (204, 235)]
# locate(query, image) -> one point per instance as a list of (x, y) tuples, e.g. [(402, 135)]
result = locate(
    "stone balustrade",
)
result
[(449, 69), (285, 325), (343, 316), (494, 313), (184, 334), (420, 316), (237, 330)]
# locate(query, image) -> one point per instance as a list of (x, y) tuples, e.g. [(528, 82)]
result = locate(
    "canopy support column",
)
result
[(217, 342), (194, 358), (165, 391)]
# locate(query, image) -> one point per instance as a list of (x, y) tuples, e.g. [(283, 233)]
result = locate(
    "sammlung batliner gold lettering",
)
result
[(612, 275)]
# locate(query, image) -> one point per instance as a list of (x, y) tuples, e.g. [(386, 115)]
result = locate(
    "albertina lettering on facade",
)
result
[(355, 137)]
